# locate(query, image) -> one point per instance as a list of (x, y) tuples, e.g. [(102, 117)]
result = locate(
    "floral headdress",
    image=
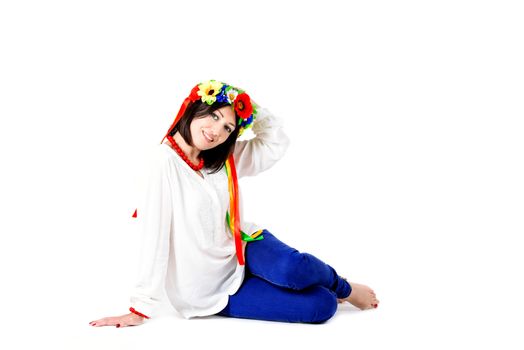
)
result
[(209, 92), (212, 91)]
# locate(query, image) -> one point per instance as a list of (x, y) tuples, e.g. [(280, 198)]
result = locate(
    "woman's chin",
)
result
[(204, 147)]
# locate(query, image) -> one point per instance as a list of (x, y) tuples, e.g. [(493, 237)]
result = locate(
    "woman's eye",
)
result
[(228, 130), (214, 116)]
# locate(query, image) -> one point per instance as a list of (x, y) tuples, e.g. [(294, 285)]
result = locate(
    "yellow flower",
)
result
[(209, 90)]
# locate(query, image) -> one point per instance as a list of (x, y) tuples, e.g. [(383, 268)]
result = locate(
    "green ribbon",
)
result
[(244, 236)]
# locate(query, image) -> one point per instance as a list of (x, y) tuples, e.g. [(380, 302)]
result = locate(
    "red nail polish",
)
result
[(375, 305), (117, 325)]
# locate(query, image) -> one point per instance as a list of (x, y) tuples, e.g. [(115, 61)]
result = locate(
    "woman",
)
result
[(193, 239)]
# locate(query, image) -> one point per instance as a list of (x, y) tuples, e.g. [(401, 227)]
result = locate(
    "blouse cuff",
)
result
[(141, 308), (132, 309)]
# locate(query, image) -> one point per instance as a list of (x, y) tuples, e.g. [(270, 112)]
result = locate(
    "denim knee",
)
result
[(323, 306), (300, 270)]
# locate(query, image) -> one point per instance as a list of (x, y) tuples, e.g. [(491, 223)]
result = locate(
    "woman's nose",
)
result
[(215, 132)]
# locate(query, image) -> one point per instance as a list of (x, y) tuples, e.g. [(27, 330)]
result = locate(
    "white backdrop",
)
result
[(404, 171)]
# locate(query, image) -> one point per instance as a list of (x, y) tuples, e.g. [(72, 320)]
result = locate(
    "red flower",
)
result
[(243, 106), (193, 96)]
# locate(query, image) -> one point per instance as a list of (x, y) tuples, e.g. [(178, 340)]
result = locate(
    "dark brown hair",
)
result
[(214, 158)]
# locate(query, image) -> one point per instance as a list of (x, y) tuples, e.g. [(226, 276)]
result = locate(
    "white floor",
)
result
[(406, 327)]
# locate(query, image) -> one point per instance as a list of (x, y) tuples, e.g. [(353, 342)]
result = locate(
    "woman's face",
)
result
[(213, 129)]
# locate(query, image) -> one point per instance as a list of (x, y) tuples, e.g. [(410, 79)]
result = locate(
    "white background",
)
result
[(404, 171)]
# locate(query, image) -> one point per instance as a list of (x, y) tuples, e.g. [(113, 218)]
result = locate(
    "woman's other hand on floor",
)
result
[(129, 319)]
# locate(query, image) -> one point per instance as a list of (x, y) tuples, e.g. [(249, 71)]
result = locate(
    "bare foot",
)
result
[(361, 296)]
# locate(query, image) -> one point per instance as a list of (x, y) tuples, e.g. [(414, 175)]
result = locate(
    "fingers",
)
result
[(108, 321), (375, 302), (119, 321), (101, 322)]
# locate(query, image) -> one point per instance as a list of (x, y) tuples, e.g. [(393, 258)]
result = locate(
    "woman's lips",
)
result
[(208, 139)]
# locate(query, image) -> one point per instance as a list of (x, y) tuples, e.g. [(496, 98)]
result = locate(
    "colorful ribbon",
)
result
[(233, 206)]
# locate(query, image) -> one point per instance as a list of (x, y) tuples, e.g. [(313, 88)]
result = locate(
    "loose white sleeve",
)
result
[(265, 149), (154, 215)]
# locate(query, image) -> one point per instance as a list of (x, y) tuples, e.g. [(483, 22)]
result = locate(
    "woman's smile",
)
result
[(207, 137)]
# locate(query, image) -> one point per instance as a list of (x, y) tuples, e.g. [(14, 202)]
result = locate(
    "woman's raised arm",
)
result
[(265, 149)]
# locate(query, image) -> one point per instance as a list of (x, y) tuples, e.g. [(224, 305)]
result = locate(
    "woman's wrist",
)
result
[(137, 313)]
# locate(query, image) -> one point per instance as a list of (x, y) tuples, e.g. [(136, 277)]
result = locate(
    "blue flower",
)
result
[(222, 96)]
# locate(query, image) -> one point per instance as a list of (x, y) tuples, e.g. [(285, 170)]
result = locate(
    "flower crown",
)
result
[(212, 91)]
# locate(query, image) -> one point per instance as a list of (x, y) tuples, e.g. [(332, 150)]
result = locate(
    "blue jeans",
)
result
[(282, 284)]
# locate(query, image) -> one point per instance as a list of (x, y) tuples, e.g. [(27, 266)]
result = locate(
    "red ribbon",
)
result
[(181, 112)]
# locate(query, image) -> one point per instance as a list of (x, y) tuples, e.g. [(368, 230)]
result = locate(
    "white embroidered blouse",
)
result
[(186, 247)]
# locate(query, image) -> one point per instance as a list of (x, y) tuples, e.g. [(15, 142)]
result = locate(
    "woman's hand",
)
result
[(256, 105), (129, 319)]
